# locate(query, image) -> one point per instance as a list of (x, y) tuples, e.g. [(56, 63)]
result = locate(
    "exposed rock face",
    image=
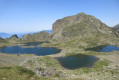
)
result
[(42, 36), (14, 37), (116, 27), (27, 37), (48, 72), (2, 42), (80, 25)]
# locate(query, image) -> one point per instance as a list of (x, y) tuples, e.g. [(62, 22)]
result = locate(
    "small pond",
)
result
[(109, 49), (77, 61), (39, 51)]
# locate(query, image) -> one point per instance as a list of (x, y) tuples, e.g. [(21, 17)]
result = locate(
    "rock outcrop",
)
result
[(116, 27), (2, 42), (42, 36), (14, 37), (27, 37), (80, 25)]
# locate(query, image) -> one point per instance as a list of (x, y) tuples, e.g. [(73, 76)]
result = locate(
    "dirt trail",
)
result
[(12, 59), (28, 59)]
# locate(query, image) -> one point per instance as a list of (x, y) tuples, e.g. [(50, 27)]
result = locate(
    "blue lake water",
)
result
[(69, 62), (77, 61), (109, 48), (39, 51), (33, 43)]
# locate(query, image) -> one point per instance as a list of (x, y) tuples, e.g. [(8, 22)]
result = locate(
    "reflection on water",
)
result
[(77, 61)]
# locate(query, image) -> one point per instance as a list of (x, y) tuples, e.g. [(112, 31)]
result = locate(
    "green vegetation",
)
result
[(19, 73), (97, 67), (24, 70), (48, 61), (16, 73), (30, 62), (115, 71), (100, 64)]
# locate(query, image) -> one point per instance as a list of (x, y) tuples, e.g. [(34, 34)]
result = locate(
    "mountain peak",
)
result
[(14, 37), (82, 13), (80, 25)]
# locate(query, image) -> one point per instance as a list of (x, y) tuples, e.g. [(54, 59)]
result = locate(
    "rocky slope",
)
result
[(81, 25), (2, 42), (13, 39), (42, 36), (116, 27)]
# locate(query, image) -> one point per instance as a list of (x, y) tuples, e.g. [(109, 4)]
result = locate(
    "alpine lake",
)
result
[(68, 62)]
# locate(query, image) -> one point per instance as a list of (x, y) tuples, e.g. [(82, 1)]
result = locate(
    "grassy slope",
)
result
[(18, 73)]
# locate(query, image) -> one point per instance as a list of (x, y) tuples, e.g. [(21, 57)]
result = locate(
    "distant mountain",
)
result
[(116, 27), (49, 31), (5, 35), (8, 35)]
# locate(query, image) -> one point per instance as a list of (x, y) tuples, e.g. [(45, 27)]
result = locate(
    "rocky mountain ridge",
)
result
[(116, 27), (42, 36), (80, 25)]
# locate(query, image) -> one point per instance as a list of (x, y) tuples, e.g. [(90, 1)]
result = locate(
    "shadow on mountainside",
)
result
[(97, 48)]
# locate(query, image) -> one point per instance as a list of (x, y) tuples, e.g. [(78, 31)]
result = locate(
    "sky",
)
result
[(37, 15)]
